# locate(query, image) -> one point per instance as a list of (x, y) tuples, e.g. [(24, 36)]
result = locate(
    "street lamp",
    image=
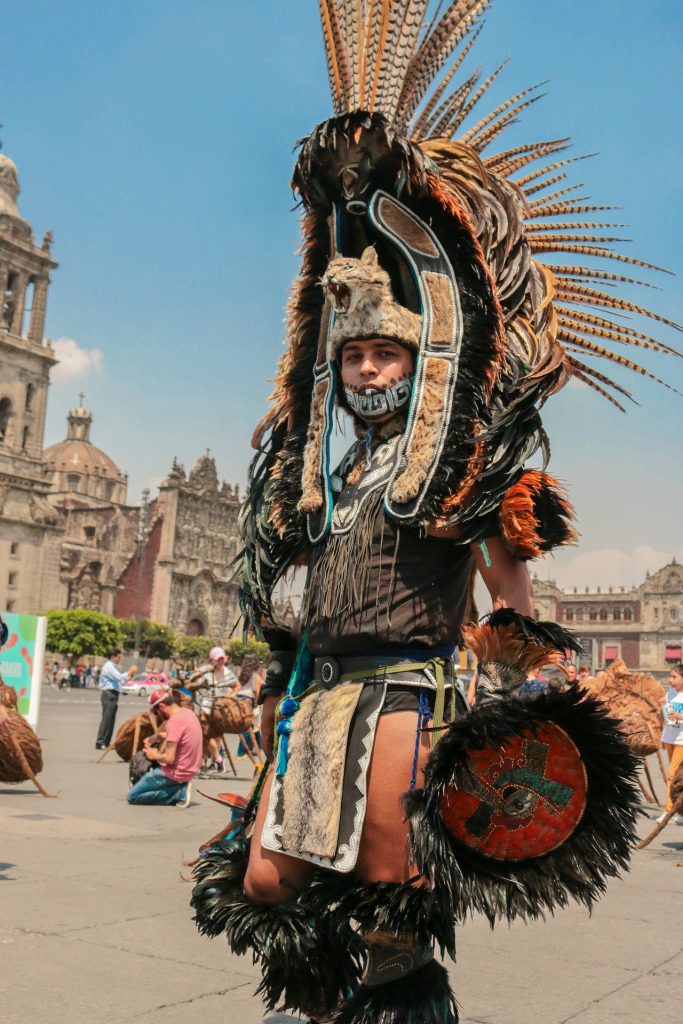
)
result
[(140, 541)]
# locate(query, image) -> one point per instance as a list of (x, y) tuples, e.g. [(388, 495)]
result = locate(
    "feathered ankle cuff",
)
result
[(422, 995), (310, 959)]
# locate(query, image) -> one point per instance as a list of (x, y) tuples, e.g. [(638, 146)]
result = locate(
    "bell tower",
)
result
[(27, 520)]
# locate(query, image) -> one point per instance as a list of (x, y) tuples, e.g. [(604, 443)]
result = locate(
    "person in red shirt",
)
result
[(178, 761)]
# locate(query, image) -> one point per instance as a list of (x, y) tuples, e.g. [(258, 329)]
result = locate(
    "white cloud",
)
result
[(605, 567), (74, 362)]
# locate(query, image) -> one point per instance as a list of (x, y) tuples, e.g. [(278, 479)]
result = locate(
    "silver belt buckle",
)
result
[(327, 672)]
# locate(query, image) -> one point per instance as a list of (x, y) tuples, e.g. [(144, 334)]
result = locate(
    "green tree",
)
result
[(192, 649), (79, 631), (156, 641), (238, 649)]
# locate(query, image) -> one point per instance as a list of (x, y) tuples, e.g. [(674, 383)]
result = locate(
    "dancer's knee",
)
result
[(262, 885)]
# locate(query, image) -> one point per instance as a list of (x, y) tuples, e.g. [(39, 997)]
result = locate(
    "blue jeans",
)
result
[(155, 788)]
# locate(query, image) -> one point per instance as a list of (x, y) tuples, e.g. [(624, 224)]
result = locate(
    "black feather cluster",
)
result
[(422, 997), (546, 633), (309, 958), (599, 848), (399, 908)]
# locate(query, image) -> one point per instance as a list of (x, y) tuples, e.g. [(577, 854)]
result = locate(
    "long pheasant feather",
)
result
[(331, 56), (579, 371), (424, 122), (605, 334)]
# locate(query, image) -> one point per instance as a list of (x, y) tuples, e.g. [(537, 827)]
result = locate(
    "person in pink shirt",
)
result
[(179, 760)]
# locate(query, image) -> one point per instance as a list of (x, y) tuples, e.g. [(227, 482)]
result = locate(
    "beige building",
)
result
[(68, 537), (30, 530), (642, 625), (169, 560)]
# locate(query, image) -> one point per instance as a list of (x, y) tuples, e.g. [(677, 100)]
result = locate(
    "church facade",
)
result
[(641, 625), (68, 536)]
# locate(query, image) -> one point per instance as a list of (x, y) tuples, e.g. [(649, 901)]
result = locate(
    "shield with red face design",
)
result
[(520, 800)]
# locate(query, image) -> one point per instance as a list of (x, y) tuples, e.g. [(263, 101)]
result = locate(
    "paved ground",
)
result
[(95, 926)]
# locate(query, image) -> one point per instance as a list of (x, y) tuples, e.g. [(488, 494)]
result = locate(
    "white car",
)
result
[(144, 683)]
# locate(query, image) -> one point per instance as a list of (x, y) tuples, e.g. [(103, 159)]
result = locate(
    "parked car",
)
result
[(142, 684)]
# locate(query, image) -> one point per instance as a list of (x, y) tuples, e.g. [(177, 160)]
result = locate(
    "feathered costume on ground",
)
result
[(525, 803)]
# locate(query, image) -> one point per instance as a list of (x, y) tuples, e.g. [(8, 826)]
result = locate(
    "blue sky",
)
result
[(155, 139)]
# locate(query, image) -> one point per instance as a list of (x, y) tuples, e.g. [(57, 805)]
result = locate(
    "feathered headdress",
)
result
[(462, 233)]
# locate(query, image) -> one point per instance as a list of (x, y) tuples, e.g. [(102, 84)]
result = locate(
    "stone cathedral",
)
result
[(68, 536)]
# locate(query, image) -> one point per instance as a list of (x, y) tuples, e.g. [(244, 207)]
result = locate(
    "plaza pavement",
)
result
[(95, 926)]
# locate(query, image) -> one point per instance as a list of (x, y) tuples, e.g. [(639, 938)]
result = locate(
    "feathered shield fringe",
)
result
[(310, 960), (599, 848)]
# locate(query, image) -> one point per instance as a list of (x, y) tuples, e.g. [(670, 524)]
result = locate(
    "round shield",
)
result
[(520, 800)]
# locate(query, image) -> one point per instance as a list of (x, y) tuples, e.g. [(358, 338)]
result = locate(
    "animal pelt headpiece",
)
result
[(460, 232)]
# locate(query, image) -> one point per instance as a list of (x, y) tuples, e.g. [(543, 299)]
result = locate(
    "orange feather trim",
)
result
[(536, 515)]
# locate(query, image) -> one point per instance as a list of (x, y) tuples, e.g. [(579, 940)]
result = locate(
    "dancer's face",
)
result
[(375, 363)]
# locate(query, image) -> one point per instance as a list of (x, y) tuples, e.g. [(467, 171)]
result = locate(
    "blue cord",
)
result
[(424, 714)]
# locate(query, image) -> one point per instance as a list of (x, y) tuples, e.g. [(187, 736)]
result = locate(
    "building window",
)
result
[(673, 613), (593, 615), (108, 490), (30, 391), (12, 579), (9, 300), (5, 416), (579, 614), (14, 548), (89, 532), (628, 614), (24, 439), (9, 605), (28, 306), (569, 615), (616, 614), (72, 482), (603, 615)]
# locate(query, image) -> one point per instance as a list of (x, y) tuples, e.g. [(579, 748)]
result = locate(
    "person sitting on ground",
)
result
[(178, 761)]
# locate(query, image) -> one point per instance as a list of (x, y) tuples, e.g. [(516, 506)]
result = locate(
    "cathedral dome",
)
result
[(82, 470)]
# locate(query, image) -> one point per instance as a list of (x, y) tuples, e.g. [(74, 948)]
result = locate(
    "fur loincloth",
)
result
[(317, 809), (312, 786)]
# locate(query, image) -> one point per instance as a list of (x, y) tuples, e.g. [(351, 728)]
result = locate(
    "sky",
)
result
[(155, 139)]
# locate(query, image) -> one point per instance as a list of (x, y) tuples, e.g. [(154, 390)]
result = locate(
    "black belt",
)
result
[(329, 671)]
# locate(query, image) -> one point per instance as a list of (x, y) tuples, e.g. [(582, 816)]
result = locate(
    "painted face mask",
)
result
[(373, 404)]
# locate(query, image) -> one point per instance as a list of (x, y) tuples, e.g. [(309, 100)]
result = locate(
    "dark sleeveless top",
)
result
[(379, 585)]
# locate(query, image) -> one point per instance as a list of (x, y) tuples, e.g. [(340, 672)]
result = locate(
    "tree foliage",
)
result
[(192, 649), (156, 641), (238, 649), (79, 631)]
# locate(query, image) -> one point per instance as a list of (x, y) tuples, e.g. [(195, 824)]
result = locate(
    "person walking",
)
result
[(179, 760), (111, 680)]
